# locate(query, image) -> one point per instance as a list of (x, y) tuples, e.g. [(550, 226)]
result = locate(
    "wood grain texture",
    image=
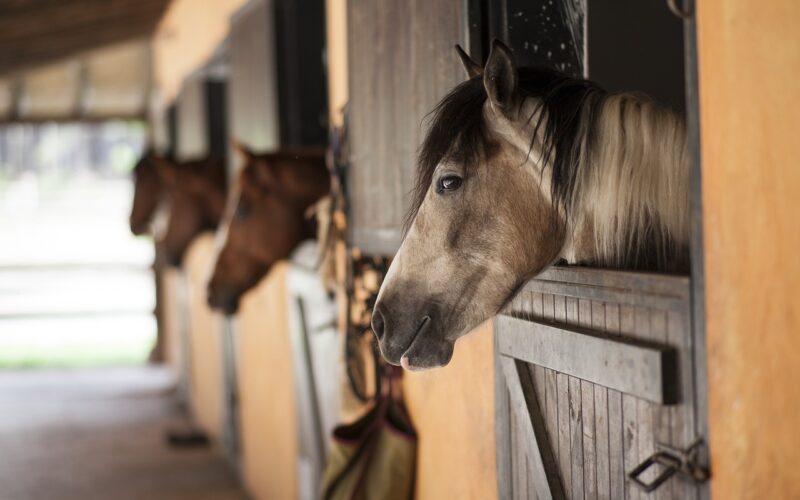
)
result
[(453, 412), (633, 368), (402, 62), (751, 202), (600, 434)]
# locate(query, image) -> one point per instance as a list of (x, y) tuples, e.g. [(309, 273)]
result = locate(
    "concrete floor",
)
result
[(99, 434)]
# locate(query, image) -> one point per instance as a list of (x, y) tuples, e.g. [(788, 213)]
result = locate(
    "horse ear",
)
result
[(472, 68), (500, 77), (242, 150)]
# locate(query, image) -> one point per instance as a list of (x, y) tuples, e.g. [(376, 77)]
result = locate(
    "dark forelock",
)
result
[(457, 130)]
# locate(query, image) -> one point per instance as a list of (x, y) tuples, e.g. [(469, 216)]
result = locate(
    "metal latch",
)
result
[(673, 460)]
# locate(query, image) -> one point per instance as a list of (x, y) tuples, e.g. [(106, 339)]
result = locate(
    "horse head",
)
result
[(509, 180), (265, 219), (196, 190), (148, 191)]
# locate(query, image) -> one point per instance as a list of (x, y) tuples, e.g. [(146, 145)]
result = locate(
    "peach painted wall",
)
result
[(267, 411), (453, 411), (205, 347), (173, 319), (749, 68)]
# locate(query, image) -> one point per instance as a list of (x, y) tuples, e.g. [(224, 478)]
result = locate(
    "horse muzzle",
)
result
[(413, 341)]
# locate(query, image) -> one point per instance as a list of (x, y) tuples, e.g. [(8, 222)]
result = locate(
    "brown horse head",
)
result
[(196, 192), (521, 167), (266, 219), (147, 194)]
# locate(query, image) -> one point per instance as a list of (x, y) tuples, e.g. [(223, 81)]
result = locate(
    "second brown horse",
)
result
[(266, 219), (196, 191)]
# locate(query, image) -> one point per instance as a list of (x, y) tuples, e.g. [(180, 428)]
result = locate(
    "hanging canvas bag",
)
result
[(374, 458)]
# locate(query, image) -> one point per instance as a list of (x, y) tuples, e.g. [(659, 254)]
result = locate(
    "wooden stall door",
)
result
[(595, 369), (594, 376)]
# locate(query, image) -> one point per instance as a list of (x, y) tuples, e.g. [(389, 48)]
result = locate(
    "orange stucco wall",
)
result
[(749, 62)]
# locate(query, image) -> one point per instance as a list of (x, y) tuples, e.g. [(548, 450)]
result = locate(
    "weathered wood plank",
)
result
[(575, 415), (564, 450), (533, 306), (532, 435), (387, 105), (562, 412), (616, 469), (587, 406), (681, 417), (550, 386), (603, 458), (633, 282), (644, 410), (632, 368), (630, 446), (606, 294), (576, 436), (661, 417)]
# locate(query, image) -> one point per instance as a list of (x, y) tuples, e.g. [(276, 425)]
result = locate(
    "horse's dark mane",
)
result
[(457, 130)]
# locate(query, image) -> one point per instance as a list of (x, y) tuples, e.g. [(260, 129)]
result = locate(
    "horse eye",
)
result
[(241, 211), (449, 183)]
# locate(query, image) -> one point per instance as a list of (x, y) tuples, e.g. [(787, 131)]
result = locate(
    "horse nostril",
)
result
[(378, 323)]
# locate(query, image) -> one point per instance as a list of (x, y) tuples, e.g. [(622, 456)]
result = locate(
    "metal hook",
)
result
[(681, 12)]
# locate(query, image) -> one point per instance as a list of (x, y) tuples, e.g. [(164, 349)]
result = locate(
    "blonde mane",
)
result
[(632, 191)]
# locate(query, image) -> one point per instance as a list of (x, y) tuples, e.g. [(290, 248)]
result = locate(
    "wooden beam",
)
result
[(659, 291), (49, 31), (639, 369)]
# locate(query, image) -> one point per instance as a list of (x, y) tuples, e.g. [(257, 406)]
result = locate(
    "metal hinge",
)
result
[(673, 460)]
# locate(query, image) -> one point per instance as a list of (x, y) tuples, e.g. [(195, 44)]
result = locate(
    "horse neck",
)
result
[(631, 206)]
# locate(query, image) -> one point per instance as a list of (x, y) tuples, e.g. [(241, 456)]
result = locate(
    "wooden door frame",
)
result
[(698, 313)]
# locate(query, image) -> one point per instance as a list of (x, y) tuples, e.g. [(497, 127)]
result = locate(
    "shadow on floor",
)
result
[(99, 434)]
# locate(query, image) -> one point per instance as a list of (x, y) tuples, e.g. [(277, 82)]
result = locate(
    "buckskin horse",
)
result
[(196, 190), (521, 168), (266, 219)]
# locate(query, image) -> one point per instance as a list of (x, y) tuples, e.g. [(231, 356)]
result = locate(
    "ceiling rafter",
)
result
[(37, 32)]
